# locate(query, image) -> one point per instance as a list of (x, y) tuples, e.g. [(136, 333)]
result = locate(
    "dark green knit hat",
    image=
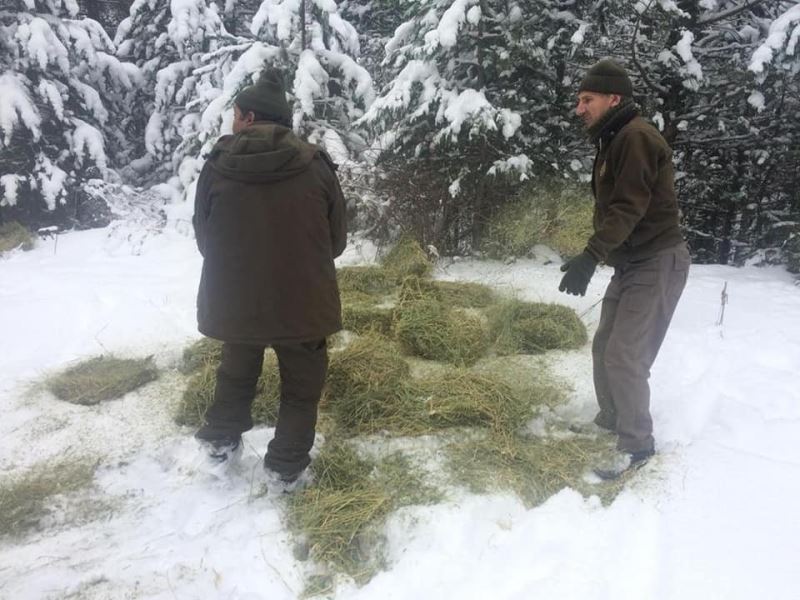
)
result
[(607, 77), (267, 97)]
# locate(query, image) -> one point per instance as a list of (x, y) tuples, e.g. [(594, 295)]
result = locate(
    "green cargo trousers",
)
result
[(637, 308), (303, 367)]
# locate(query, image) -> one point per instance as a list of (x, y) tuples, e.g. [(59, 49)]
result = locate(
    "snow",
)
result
[(692, 68), (451, 21), (16, 105), (776, 38), (714, 515)]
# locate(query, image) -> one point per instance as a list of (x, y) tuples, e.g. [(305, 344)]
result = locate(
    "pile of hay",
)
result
[(528, 377), (341, 515), (27, 499), (199, 393), (407, 258), (533, 468), (101, 378), (201, 353), (463, 294), (372, 280), (460, 398), (430, 330), (362, 313), (13, 235), (368, 388), (533, 328)]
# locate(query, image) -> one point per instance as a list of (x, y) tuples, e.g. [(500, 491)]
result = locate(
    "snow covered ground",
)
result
[(714, 516)]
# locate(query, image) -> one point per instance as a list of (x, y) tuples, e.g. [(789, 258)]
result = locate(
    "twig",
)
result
[(723, 302)]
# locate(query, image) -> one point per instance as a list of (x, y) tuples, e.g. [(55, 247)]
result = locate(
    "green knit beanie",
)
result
[(267, 97), (607, 77)]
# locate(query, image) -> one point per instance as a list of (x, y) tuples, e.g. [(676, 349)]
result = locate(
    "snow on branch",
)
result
[(776, 38), (16, 106)]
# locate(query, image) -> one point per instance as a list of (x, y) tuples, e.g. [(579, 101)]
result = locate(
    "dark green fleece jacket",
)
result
[(636, 211)]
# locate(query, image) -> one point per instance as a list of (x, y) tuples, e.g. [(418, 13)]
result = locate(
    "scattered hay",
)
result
[(199, 394), (460, 398), (368, 390), (407, 258), (427, 328), (199, 354), (102, 378), (27, 500), (533, 328), (343, 512), (464, 294), (371, 280), (362, 313), (528, 377), (13, 235), (533, 468)]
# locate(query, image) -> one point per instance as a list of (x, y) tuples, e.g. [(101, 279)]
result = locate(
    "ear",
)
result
[(250, 117), (615, 99)]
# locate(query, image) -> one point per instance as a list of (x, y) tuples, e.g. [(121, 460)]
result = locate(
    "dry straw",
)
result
[(425, 327), (13, 235), (460, 398), (199, 393), (342, 513), (370, 280), (534, 468), (533, 328), (101, 378), (362, 313), (368, 388), (27, 499), (407, 258)]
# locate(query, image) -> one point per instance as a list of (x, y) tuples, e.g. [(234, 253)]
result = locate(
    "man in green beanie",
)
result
[(635, 231), (269, 219)]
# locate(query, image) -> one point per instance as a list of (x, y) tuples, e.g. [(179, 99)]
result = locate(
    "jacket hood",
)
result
[(262, 152)]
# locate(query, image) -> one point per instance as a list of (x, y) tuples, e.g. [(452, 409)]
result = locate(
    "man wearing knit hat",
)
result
[(635, 231), (269, 220)]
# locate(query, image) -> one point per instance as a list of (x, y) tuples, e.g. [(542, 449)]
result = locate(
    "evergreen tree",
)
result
[(63, 103), (477, 104)]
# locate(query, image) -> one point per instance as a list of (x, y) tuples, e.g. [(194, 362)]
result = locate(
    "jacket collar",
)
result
[(602, 132)]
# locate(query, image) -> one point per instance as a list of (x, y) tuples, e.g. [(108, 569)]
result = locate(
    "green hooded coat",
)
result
[(269, 219)]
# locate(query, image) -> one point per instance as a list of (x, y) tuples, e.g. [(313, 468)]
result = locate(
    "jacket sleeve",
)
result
[(337, 208), (634, 158), (202, 207)]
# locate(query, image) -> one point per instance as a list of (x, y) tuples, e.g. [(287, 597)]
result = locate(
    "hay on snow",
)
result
[(101, 378)]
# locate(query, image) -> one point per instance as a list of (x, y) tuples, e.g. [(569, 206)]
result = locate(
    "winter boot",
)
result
[(622, 462)]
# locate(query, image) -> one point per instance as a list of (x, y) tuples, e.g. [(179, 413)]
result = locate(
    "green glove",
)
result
[(577, 273)]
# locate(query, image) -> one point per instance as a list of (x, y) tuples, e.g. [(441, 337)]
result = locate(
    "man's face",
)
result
[(241, 120), (592, 106)]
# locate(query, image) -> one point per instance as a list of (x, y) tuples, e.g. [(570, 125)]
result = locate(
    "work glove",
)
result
[(577, 273)]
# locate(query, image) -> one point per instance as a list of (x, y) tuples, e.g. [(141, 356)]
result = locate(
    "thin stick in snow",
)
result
[(723, 302)]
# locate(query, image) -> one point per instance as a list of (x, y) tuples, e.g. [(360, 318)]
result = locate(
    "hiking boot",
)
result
[(279, 482), (220, 448), (622, 462), (589, 429)]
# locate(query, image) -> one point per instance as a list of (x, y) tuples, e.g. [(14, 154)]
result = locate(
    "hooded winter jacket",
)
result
[(269, 219)]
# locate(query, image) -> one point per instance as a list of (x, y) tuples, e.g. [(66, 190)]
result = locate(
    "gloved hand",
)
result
[(578, 271)]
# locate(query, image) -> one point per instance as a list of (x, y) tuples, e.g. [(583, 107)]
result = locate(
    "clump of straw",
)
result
[(370, 280), (368, 387), (407, 258), (534, 468), (199, 393), (427, 328), (102, 378), (533, 328)]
